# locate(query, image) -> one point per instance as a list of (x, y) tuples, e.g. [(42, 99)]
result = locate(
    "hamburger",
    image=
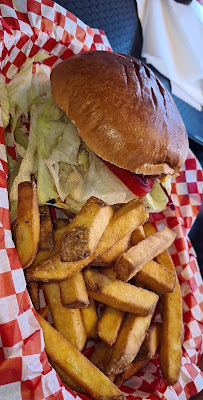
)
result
[(127, 118), (101, 125)]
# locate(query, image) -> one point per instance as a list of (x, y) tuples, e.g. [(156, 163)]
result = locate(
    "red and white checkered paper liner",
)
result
[(26, 28)]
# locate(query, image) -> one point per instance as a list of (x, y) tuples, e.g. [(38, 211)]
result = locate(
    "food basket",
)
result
[(25, 373)]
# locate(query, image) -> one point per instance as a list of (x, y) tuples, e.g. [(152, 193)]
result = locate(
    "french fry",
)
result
[(60, 223), (45, 312), (130, 262), (149, 229), (154, 275), (101, 355), (13, 229), (172, 322), (156, 278), (130, 370), (85, 230), (77, 366), (33, 290), (108, 272), (44, 255), (109, 324), (90, 319), (73, 292), (146, 352), (130, 338), (111, 319), (46, 241), (138, 283), (165, 260), (137, 236), (124, 221), (118, 294), (27, 225), (67, 321), (53, 269), (109, 257), (151, 342), (171, 335), (67, 379)]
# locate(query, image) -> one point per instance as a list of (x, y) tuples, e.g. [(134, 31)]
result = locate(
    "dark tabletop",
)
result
[(119, 20)]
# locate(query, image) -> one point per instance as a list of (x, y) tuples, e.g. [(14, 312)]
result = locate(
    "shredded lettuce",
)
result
[(20, 141), (67, 148), (20, 87), (40, 83), (46, 189), (83, 158), (48, 129), (20, 137)]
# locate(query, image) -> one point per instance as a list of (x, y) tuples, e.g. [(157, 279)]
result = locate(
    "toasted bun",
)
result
[(122, 111)]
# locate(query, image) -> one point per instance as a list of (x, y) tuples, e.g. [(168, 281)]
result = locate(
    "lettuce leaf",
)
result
[(100, 182), (20, 86), (67, 148), (49, 129), (46, 189)]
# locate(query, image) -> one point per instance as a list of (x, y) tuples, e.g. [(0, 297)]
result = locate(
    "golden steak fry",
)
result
[(111, 319), (101, 355), (118, 294), (67, 379), (130, 338), (46, 229), (73, 291), (90, 319), (171, 335), (44, 255), (124, 221), (77, 366), (67, 321), (137, 236), (146, 352), (130, 262), (33, 289), (85, 230), (156, 277), (109, 257), (172, 326), (53, 269), (109, 324), (27, 224)]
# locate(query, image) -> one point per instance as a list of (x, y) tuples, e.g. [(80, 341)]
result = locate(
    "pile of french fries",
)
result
[(112, 255)]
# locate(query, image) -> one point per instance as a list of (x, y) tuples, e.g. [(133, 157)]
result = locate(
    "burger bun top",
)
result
[(122, 111)]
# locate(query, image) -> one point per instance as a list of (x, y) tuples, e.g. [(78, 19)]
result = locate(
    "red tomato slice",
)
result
[(140, 185)]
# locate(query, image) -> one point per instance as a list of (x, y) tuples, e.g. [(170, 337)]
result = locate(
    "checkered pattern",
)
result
[(41, 25)]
